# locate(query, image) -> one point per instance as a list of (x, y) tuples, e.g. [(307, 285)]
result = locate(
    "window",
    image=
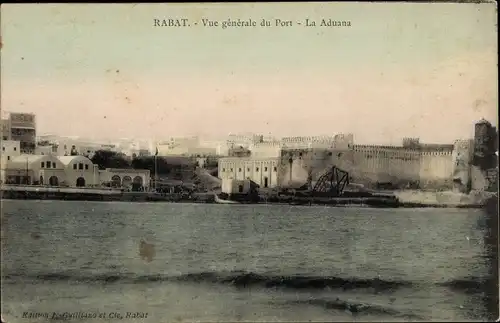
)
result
[(74, 166), (231, 169), (223, 169), (257, 169), (80, 165), (265, 169), (86, 166), (275, 169), (3, 148), (48, 164), (8, 157), (42, 164), (248, 169), (239, 170), (15, 148), (53, 165)]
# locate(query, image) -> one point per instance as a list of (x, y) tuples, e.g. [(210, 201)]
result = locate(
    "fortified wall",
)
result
[(266, 149), (412, 165), (299, 166), (303, 159), (461, 166), (399, 166)]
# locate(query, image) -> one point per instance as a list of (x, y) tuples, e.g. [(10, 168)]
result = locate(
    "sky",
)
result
[(105, 71)]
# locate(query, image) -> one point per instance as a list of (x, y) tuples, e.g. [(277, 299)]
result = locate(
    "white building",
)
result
[(262, 171), (80, 171), (125, 177), (135, 147), (44, 150), (68, 146), (243, 139), (10, 149), (269, 149), (190, 146), (67, 171), (177, 146), (338, 141), (33, 169), (232, 186)]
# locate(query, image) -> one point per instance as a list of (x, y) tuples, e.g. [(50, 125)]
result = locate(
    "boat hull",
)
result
[(218, 200)]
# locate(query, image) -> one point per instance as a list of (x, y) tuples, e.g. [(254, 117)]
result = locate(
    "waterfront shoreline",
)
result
[(121, 198), (22, 192)]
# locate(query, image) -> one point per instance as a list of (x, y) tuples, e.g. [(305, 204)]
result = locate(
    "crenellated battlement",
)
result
[(267, 144), (411, 142), (319, 139), (425, 150), (437, 153), (463, 144), (381, 148), (307, 139), (410, 162)]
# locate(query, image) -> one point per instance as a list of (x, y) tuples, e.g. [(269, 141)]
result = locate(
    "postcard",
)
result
[(257, 162)]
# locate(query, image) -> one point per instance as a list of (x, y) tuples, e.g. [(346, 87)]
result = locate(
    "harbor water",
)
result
[(84, 261)]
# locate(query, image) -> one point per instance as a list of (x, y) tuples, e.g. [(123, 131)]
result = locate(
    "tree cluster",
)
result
[(109, 159)]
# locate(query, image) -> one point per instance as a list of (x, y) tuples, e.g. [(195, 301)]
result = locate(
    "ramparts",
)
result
[(415, 166)]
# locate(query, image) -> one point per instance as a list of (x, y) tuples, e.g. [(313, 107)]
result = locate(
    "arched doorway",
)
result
[(138, 180), (116, 181), (41, 180), (80, 182), (137, 184), (127, 181), (53, 181)]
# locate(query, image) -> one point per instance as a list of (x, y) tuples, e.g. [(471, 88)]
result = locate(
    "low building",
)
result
[(33, 170), (234, 186), (126, 178), (68, 171), (10, 149), (80, 171), (262, 171), (44, 150)]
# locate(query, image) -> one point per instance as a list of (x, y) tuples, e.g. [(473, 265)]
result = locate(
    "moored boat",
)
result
[(223, 201)]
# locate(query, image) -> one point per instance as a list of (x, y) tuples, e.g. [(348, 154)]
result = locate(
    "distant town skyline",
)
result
[(104, 71), (202, 137)]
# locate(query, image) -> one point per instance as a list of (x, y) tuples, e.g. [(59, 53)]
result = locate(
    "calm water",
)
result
[(241, 262)]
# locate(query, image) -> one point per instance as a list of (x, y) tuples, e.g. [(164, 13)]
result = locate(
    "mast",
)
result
[(27, 170), (155, 169)]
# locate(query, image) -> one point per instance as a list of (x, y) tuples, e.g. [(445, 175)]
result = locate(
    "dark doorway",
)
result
[(116, 181), (53, 181), (80, 182)]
